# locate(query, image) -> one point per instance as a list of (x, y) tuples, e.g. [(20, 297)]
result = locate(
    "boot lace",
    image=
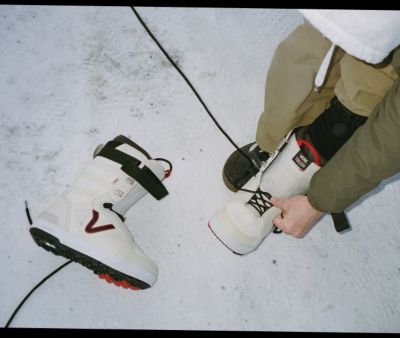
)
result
[(261, 201)]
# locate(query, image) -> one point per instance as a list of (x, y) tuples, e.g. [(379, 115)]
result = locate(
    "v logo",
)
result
[(90, 227)]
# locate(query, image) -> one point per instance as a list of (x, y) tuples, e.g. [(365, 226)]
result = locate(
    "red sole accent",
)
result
[(125, 284)]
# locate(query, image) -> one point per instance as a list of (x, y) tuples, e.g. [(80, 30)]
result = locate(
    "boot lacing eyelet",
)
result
[(119, 193), (130, 180)]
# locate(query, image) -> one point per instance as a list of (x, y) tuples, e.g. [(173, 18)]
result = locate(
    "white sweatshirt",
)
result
[(369, 35)]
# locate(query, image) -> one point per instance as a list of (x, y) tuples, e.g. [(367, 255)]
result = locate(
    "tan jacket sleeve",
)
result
[(371, 155)]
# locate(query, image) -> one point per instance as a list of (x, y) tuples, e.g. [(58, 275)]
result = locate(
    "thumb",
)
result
[(277, 202), (277, 221)]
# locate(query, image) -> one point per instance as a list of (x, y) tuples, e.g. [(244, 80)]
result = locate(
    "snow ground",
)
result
[(74, 77)]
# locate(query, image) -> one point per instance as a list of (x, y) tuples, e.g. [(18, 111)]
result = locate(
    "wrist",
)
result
[(314, 204)]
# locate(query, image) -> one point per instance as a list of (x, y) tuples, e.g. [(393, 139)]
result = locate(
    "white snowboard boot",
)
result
[(246, 220), (86, 222)]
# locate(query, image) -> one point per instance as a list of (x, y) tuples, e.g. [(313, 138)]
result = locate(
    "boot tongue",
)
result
[(129, 190), (289, 173), (139, 175)]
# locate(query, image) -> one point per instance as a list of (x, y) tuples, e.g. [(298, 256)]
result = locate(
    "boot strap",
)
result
[(130, 166), (340, 222)]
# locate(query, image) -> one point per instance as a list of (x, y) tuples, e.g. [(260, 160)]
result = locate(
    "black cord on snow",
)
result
[(33, 290), (28, 215), (204, 106), (185, 78)]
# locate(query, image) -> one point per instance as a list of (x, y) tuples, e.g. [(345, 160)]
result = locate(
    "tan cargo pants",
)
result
[(290, 98)]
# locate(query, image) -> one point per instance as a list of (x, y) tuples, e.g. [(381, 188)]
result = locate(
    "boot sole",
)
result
[(221, 235), (236, 253), (52, 244), (231, 162), (228, 184)]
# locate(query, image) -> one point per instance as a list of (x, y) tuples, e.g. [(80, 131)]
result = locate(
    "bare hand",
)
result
[(297, 217)]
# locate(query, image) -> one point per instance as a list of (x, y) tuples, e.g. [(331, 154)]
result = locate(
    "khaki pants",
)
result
[(290, 99)]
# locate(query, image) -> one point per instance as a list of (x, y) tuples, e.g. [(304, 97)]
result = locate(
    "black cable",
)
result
[(28, 215), (204, 106), (188, 83), (33, 290), (275, 229)]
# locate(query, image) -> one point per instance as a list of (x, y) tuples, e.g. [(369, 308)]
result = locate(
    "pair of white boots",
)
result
[(246, 219), (86, 222)]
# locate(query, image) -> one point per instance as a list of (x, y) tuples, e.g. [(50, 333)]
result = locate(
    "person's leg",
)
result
[(360, 88), (352, 90), (290, 100)]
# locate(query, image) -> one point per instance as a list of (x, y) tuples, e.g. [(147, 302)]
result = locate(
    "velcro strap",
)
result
[(115, 155), (340, 222), (130, 166), (147, 179)]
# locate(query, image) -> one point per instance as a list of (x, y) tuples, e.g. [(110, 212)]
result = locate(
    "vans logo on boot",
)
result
[(90, 227), (301, 160)]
